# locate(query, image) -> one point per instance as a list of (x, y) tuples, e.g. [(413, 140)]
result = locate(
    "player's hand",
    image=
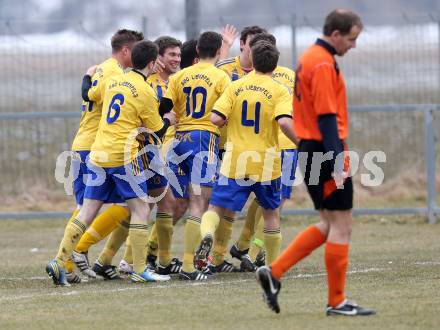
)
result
[(171, 116), (91, 71), (229, 34), (159, 66)]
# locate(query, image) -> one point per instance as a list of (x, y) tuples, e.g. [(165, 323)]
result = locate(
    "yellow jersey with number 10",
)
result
[(129, 103), (252, 105), (194, 90), (91, 111)]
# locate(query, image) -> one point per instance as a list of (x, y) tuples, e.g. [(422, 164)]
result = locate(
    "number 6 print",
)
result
[(116, 107)]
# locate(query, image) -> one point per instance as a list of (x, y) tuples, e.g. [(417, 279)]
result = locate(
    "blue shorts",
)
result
[(152, 161), (289, 160), (227, 193), (196, 156), (107, 184), (182, 181), (79, 166)]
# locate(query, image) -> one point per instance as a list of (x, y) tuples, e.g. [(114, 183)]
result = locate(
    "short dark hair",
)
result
[(264, 56), (165, 42), (250, 30), (142, 53), (189, 53), (125, 37), (342, 20), (208, 44), (263, 36)]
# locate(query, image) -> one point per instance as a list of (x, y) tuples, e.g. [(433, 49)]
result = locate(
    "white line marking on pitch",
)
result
[(176, 285), (168, 286)]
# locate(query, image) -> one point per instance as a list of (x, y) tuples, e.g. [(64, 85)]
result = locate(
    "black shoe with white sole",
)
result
[(224, 267), (194, 276), (246, 264), (173, 268), (349, 308), (236, 253), (271, 287), (108, 272)]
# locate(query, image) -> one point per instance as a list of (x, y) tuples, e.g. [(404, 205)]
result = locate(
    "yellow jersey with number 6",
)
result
[(129, 103)]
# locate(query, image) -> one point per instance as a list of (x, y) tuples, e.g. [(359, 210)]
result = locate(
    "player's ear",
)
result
[(336, 34), (150, 65)]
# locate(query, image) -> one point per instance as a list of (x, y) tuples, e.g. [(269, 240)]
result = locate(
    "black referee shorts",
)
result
[(319, 181)]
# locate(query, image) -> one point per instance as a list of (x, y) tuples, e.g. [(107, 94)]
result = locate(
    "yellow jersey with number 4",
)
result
[(234, 70), (129, 103), (194, 90), (252, 105), (91, 111)]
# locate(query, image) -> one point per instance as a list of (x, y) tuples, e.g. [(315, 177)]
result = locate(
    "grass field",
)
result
[(395, 268)]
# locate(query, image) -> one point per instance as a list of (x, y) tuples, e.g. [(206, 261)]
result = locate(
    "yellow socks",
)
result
[(272, 243), (128, 255), (138, 234), (258, 241), (72, 234), (164, 226), (222, 237), (68, 264), (102, 226), (152, 241), (192, 240), (114, 242), (209, 223), (253, 214)]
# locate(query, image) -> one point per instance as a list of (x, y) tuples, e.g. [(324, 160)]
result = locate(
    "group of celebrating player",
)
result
[(180, 126)]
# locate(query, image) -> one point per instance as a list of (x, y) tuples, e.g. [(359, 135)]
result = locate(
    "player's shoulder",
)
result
[(221, 73), (280, 87), (284, 70), (182, 73), (225, 62), (115, 79), (111, 65), (152, 78)]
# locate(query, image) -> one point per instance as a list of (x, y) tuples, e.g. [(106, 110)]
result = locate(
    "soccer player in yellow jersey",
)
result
[(189, 57), (129, 104), (252, 254), (92, 92), (191, 93), (238, 66), (254, 107), (167, 214), (243, 246)]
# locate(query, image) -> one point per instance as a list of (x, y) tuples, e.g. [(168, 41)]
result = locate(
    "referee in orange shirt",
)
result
[(321, 124)]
